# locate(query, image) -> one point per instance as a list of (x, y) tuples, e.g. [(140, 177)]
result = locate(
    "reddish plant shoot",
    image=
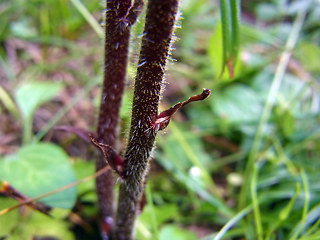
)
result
[(163, 119), (110, 155)]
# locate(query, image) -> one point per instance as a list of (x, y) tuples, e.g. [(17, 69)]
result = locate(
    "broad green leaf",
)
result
[(173, 232), (22, 29), (308, 54), (38, 169), (31, 95), (16, 227), (267, 12), (86, 189), (314, 16), (286, 121), (154, 216), (163, 213), (238, 104)]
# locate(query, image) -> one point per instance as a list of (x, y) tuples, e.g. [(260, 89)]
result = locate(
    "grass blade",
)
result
[(276, 82), (232, 222), (153, 217), (88, 17), (8, 103), (255, 203), (235, 30), (225, 22), (230, 19)]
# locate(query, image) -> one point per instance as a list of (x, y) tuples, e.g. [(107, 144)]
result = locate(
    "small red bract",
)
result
[(163, 119), (112, 158)]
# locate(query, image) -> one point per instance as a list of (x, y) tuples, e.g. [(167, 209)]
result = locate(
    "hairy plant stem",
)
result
[(120, 15), (159, 26)]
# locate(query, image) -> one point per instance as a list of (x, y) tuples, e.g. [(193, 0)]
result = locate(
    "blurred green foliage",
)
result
[(240, 164), (40, 18), (19, 171)]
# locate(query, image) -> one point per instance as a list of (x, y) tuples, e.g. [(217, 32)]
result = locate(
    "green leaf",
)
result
[(267, 12), (152, 217), (308, 54), (173, 232), (86, 190), (31, 95), (22, 29), (238, 104), (38, 169), (285, 120), (163, 213), (33, 226)]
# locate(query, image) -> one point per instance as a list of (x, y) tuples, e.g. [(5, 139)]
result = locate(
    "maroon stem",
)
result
[(155, 47), (117, 33)]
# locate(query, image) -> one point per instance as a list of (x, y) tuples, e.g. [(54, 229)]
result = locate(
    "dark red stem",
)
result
[(117, 33), (155, 47)]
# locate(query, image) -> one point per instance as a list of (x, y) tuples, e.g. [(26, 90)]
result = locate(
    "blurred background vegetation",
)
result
[(243, 164)]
